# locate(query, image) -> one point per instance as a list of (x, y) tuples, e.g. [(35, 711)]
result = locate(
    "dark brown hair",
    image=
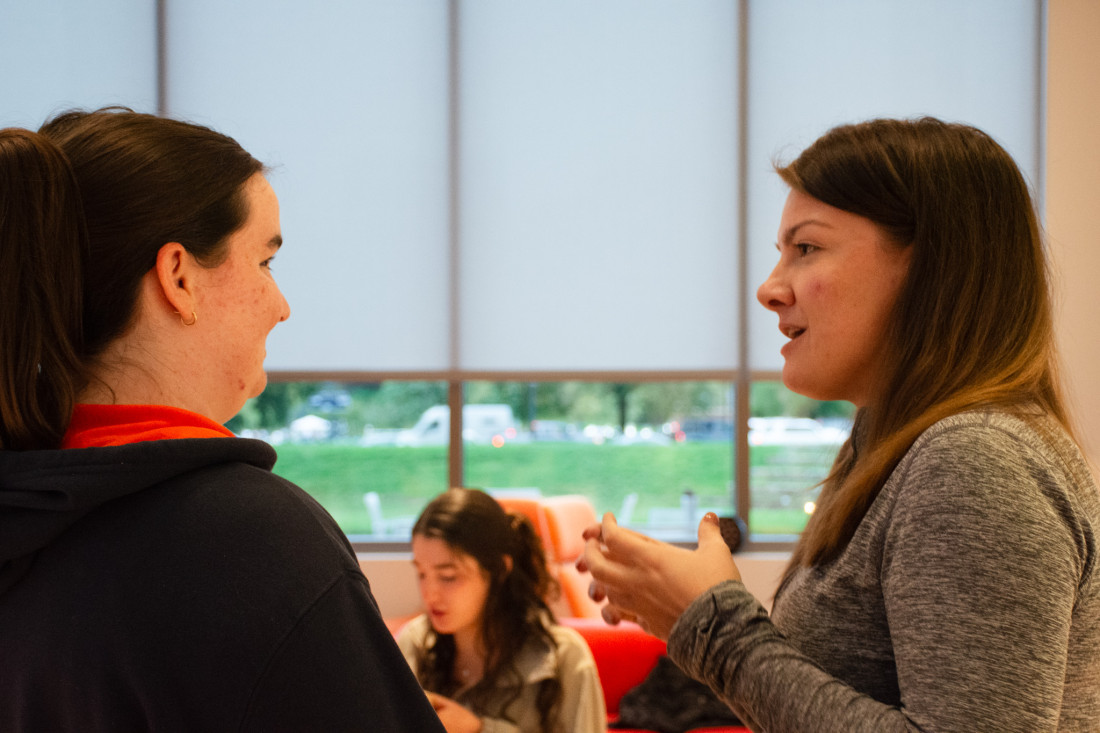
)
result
[(472, 523), (85, 205), (972, 325), (146, 181), (42, 241)]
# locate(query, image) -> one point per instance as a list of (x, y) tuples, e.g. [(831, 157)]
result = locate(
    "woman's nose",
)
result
[(284, 312), (775, 292)]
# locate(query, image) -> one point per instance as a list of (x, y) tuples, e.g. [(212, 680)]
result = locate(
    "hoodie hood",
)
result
[(43, 493)]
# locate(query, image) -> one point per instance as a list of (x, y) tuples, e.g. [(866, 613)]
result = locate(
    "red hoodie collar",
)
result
[(97, 426)]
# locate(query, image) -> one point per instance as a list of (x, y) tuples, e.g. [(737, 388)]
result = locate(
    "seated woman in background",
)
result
[(154, 573), (487, 649)]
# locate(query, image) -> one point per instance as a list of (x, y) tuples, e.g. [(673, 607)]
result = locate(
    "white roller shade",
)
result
[(814, 65), (348, 100), (598, 220), (60, 55)]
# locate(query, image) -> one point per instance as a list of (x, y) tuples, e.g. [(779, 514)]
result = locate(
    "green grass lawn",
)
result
[(406, 478)]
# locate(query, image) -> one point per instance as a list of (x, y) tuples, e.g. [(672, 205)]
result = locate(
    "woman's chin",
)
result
[(799, 382)]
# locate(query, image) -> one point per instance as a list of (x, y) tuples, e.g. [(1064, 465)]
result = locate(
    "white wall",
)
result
[(1073, 201)]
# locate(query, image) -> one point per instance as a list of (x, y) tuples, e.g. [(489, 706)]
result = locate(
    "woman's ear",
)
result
[(174, 269), (507, 564)]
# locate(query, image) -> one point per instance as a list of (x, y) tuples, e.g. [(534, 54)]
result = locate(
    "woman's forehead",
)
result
[(436, 552)]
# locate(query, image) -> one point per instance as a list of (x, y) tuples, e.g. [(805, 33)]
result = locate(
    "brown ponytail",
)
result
[(42, 243)]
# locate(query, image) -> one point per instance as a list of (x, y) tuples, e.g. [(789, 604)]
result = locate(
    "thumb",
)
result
[(709, 531), (607, 528)]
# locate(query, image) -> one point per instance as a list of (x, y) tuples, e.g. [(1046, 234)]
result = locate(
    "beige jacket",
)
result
[(582, 708)]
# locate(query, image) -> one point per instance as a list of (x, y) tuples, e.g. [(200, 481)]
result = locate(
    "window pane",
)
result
[(343, 443), (815, 65), (60, 55), (657, 454), (793, 441), (598, 152)]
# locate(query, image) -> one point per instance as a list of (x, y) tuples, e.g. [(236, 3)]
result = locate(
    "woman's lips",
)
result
[(793, 333)]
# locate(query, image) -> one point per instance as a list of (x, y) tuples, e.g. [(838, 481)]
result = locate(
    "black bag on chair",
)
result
[(668, 701)]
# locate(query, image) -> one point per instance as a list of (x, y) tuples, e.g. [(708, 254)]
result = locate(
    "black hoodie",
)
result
[(179, 585)]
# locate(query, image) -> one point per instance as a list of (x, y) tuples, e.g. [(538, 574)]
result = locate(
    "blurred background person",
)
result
[(487, 648)]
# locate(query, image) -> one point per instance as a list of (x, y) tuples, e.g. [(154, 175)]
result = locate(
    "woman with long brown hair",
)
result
[(487, 648), (947, 579)]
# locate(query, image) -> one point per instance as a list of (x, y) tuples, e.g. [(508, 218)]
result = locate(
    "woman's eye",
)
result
[(804, 249), (448, 578), (267, 263)]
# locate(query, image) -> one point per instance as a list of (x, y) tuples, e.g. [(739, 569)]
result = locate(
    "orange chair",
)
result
[(568, 516)]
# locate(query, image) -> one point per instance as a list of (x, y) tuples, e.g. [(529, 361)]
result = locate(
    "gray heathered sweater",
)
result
[(966, 601)]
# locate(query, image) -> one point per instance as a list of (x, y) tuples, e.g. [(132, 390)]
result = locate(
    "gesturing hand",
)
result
[(648, 581)]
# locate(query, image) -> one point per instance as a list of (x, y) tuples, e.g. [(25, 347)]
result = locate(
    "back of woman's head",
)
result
[(42, 241), (146, 181), (87, 203), (972, 324)]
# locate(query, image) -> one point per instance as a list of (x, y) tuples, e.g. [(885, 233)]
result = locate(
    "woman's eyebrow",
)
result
[(438, 566), (792, 231)]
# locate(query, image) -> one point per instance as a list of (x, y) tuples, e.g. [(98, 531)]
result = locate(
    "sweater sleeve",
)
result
[(340, 670), (980, 563)]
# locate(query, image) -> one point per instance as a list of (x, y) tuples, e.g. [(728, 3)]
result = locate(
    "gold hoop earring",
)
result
[(194, 318)]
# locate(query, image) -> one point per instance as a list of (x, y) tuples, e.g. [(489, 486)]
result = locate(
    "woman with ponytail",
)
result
[(947, 580), (154, 574), (487, 649)]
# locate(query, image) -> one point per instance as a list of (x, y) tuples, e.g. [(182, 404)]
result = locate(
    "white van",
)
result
[(480, 424)]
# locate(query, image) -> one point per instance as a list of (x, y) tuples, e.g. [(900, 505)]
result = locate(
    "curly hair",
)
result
[(471, 522)]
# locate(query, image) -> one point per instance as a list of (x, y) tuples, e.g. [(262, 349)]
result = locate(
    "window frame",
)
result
[(456, 380)]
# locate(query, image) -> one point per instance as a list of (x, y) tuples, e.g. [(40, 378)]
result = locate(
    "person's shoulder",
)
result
[(414, 632), (991, 437), (238, 470), (412, 640), (569, 642), (980, 421), (1022, 457), (238, 504)]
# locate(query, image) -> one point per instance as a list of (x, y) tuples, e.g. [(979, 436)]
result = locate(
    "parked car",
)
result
[(558, 431), (793, 431), (330, 399), (705, 429), (494, 424)]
